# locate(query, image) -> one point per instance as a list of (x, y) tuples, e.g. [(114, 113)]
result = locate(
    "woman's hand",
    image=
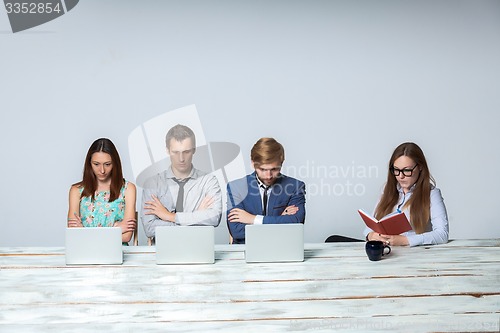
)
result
[(396, 240), (75, 222), (126, 226)]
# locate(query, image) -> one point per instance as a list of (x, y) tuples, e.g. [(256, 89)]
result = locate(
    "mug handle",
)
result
[(386, 247)]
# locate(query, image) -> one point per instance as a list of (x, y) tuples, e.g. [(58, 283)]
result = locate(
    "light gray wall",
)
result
[(339, 83)]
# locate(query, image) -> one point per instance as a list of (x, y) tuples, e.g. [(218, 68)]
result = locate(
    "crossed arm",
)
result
[(242, 209), (203, 207), (127, 224)]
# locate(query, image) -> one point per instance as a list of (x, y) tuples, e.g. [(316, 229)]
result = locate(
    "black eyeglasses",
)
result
[(407, 172)]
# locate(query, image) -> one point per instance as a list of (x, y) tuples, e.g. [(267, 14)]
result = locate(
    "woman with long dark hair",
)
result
[(410, 188), (103, 198)]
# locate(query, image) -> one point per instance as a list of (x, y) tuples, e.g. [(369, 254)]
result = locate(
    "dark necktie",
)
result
[(179, 205), (264, 208)]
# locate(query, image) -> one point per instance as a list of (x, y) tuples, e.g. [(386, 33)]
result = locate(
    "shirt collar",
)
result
[(193, 174), (260, 183), (400, 189)]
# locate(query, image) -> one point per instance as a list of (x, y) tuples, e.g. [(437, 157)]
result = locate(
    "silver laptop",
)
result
[(94, 246), (185, 245), (274, 242)]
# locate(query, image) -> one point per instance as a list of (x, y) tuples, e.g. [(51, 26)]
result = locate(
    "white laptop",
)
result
[(94, 246), (274, 242), (185, 245)]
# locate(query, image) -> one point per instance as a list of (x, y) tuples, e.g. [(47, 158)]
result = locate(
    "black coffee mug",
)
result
[(376, 249)]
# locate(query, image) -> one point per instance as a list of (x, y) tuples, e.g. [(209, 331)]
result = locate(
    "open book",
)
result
[(390, 225)]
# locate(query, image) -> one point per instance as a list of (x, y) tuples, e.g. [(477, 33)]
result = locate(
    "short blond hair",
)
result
[(267, 150)]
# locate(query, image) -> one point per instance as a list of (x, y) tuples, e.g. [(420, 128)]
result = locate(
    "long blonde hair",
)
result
[(420, 200)]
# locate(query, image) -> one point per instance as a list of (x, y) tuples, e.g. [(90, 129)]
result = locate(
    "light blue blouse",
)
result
[(437, 230)]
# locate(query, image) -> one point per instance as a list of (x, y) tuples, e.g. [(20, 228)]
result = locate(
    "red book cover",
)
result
[(390, 225)]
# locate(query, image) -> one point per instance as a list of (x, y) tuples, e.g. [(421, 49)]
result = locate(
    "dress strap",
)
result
[(124, 187)]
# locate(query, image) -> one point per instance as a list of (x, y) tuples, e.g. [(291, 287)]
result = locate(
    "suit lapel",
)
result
[(276, 192), (254, 192)]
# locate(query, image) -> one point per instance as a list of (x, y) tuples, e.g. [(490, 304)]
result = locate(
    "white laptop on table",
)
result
[(94, 246), (274, 242), (185, 245)]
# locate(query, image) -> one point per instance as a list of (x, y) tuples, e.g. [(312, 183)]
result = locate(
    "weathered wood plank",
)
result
[(407, 324), (446, 288), (144, 311)]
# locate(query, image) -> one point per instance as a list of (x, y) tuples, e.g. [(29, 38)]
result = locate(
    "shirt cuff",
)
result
[(414, 240), (259, 219)]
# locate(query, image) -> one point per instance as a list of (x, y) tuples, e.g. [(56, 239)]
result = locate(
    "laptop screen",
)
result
[(94, 246), (274, 242), (185, 245)]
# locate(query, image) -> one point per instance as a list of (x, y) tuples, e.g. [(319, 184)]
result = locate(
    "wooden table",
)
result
[(446, 288)]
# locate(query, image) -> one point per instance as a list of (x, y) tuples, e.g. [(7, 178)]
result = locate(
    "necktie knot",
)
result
[(181, 182)]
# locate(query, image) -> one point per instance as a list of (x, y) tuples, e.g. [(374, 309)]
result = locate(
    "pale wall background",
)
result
[(339, 83)]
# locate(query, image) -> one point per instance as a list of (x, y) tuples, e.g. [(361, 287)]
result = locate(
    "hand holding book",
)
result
[(390, 225)]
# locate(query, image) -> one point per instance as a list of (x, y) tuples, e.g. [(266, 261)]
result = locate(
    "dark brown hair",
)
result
[(420, 200), (89, 181)]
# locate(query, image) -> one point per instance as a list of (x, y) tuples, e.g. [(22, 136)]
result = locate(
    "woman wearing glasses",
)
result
[(410, 188)]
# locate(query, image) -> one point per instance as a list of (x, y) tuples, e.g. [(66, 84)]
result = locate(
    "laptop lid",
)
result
[(185, 245), (274, 242), (94, 246)]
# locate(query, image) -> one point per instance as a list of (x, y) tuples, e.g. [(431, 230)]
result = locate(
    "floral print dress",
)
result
[(100, 212)]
